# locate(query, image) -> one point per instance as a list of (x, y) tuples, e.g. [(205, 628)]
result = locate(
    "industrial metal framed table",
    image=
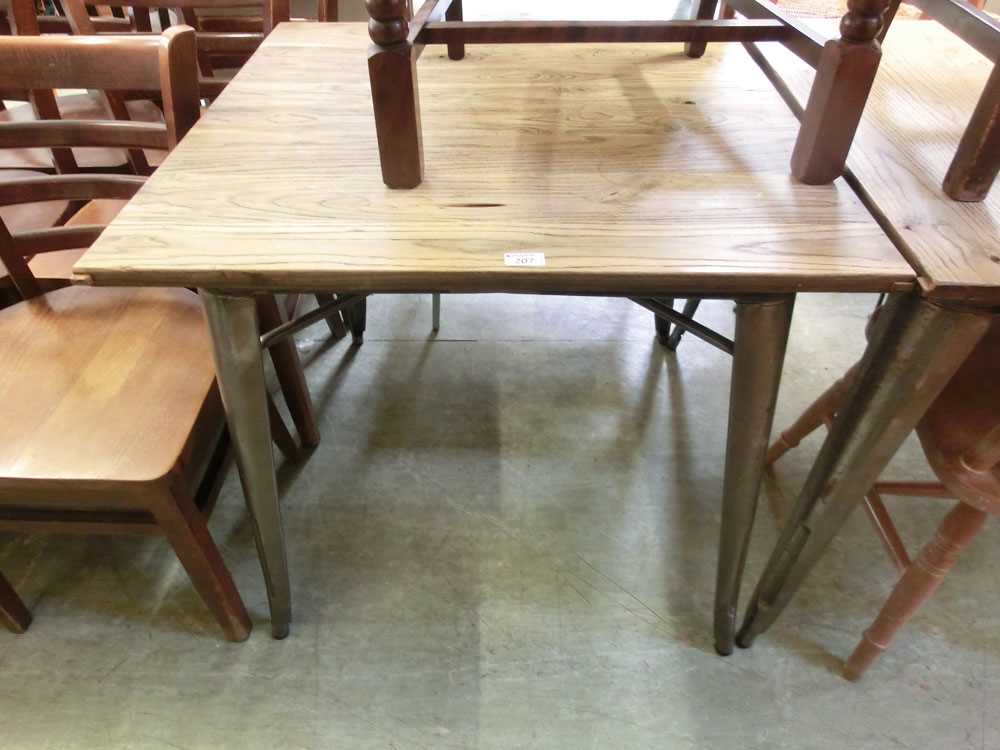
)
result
[(927, 89), (628, 171)]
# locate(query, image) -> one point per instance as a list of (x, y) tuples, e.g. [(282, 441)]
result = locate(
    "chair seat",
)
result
[(82, 106), (100, 385), (967, 409)]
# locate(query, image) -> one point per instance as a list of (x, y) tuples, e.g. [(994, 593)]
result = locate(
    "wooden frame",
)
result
[(845, 67)]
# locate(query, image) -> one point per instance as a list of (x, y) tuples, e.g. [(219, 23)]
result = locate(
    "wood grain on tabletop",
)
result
[(632, 167), (926, 89)]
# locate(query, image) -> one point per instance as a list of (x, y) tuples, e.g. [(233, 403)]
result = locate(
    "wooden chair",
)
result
[(112, 419), (960, 435)]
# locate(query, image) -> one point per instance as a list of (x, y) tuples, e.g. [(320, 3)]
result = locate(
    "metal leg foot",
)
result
[(914, 350), (762, 326), (236, 343)]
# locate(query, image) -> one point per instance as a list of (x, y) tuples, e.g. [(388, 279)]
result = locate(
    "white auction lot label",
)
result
[(524, 259)]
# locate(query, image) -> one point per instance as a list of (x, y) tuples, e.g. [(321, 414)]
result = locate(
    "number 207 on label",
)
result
[(524, 259)]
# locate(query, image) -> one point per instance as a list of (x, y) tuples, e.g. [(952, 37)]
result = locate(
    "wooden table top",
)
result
[(927, 87), (633, 168)]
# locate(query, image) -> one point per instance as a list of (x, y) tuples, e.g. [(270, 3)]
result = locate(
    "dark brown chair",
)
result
[(960, 435), (113, 422)]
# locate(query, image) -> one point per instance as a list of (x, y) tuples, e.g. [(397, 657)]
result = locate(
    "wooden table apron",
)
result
[(635, 170)]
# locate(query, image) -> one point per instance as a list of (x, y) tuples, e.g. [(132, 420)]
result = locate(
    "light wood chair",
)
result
[(960, 435), (112, 420)]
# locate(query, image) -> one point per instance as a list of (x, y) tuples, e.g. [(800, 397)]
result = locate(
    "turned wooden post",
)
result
[(917, 585), (977, 160), (393, 74), (844, 76)]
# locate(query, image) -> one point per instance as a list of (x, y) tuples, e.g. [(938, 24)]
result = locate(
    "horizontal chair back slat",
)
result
[(47, 63), (83, 134), (72, 187), (56, 238)]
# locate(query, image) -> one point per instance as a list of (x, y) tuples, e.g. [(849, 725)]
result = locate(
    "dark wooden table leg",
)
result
[(393, 73), (456, 50), (844, 76), (914, 350), (704, 11)]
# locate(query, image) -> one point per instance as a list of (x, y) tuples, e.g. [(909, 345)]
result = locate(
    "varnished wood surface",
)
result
[(111, 382), (925, 92), (633, 168)]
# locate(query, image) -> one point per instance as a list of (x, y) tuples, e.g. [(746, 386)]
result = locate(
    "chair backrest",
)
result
[(161, 63), (227, 45), (273, 12)]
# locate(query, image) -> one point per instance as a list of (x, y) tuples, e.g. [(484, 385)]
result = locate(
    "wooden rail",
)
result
[(980, 30), (804, 41), (551, 32)]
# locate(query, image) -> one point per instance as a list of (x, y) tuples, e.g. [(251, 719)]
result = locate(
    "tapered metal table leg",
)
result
[(762, 326), (240, 370), (435, 311), (914, 350)]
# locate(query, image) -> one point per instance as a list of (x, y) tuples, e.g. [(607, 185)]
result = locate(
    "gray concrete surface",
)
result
[(506, 540)]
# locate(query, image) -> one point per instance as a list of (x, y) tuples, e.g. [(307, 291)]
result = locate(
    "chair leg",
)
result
[(13, 614), (878, 514), (336, 323), (288, 368), (704, 11), (280, 435), (662, 324), (819, 412), (690, 308), (456, 50), (186, 530), (357, 320), (917, 585)]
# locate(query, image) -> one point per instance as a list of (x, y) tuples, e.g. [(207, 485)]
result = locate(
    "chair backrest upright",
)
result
[(162, 63)]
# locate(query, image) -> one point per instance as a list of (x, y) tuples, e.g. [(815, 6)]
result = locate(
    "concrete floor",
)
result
[(506, 540)]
